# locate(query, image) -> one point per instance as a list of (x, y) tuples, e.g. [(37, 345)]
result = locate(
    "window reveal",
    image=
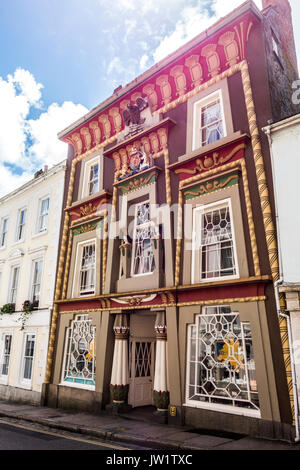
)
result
[(221, 366), (80, 360)]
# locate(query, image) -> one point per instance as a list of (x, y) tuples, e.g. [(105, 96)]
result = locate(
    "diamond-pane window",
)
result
[(80, 358), (221, 366)]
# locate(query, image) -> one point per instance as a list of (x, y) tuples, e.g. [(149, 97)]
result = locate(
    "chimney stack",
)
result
[(285, 23)]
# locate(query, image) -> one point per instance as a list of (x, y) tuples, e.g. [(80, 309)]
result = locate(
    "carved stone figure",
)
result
[(132, 115)]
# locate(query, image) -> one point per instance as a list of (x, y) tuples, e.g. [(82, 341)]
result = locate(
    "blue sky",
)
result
[(60, 58)]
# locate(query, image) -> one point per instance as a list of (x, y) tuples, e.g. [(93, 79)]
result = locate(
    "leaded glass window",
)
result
[(80, 359), (87, 270), (143, 256), (221, 366), (216, 250)]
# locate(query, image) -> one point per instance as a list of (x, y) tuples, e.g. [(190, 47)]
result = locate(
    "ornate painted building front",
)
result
[(164, 293)]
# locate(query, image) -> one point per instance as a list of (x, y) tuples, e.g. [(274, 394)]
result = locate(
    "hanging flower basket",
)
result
[(119, 393), (161, 400), (8, 308)]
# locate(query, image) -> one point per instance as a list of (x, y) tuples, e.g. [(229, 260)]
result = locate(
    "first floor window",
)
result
[(214, 243), (221, 366), (94, 179), (21, 224), (7, 338), (36, 282), (4, 231), (43, 215), (209, 125), (87, 269), (80, 355), (143, 256), (14, 284), (28, 356)]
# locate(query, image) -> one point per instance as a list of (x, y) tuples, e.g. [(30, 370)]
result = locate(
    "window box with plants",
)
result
[(8, 308)]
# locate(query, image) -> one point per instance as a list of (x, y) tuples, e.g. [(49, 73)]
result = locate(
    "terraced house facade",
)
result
[(168, 257)]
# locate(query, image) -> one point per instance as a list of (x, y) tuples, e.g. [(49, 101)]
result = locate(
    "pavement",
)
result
[(136, 430)]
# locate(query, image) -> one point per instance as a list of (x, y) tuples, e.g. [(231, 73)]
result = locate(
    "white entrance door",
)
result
[(141, 373)]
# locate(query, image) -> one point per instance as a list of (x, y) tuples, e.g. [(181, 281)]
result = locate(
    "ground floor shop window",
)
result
[(221, 367), (80, 355)]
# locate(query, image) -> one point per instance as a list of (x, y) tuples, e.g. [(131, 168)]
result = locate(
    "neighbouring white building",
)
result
[(284, 140), (30, 219)]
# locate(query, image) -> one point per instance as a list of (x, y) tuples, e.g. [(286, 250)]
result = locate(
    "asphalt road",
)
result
[(23, 437)]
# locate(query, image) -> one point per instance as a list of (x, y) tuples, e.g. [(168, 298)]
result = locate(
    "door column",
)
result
[(119, 375), (160, 388)]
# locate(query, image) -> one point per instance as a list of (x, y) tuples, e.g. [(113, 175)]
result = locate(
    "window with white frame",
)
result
[(80, 352), (144, 229), (43, 214), (93, 179), (6, 350), (220, 361), (214, 253), (28, 356), (36, 281), (21, 224), (209, 122), (4, 231), (15, 271), (88, 269)]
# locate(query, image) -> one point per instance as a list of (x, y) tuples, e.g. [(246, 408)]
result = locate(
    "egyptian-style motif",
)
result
[(211, 186)]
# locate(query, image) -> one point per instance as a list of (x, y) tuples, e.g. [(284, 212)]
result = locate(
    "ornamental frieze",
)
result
[(89, 209), (89, 227), (138, 182), (208, 58), (211, 186), (203, 163)]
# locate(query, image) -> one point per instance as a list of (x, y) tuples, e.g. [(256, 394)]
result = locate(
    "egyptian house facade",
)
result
[(168, 250)]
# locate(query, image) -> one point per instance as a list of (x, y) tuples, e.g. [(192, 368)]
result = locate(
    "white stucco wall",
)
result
[(34, 246), (285, 147)]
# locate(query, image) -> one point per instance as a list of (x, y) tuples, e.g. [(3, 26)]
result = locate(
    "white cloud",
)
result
[(193, 21), (143, 62), (46, 147), (27, 144)]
